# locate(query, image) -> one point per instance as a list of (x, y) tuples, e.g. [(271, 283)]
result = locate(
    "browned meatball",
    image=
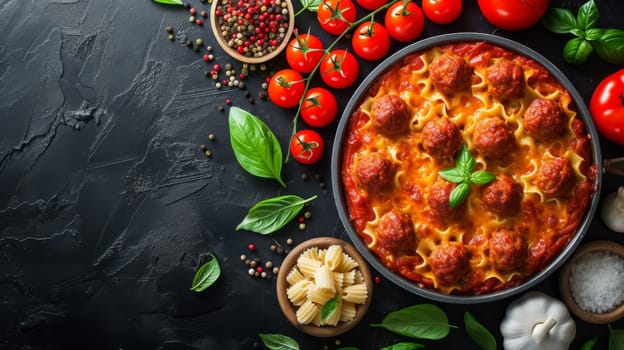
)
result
[(374, 172), (396, 231), (390, 115), (544, 119), (506, 79), (449, 262), (450, 73), (507, 249), (492, 138), (555, 177), (441, 138), (438, 199), (502, 196)]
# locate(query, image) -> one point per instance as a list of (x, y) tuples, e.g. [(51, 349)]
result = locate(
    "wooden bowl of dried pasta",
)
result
[(321, 270), (592, 282)]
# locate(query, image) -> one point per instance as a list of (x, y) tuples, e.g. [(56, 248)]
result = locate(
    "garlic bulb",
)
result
[(612, 211)]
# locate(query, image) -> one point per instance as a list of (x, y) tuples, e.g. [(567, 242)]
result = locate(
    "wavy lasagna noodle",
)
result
[(518, 122)]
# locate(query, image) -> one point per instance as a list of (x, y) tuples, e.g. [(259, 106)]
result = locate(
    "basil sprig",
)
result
[(206, 275), (462, 175), (607, 43), (330, 307), (170, 2), (269, 215), (425, 321), (278, 342), (478, 333), (404, 346), (256, 148)]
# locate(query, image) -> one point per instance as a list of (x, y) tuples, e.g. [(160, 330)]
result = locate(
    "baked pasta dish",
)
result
[(518, 123)]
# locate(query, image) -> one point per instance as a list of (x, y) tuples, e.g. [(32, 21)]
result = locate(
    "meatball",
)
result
[(507, 249), (390, 115), (439, 195), (502, 196), (492, 138), (506, 79), (396, 231), (450, 73), (449, 262), (441, 138), (374, 172), (555, 177), (544, 119)]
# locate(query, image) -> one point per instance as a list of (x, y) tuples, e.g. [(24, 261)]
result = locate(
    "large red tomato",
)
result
[(442, 11), (404, 23), (513, 14), (607, 107)]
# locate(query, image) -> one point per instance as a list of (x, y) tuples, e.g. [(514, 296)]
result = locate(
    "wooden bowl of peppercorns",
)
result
[(324, 273), (252, 32)]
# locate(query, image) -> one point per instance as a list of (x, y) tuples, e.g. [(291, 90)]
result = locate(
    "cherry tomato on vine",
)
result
[(513, 14), (371, 41), (371, 4), (442, 11), (319, 107), (335, 16), (304, 52), (607, 107), (404, 23), (286, 88), (307, 146), (339, 69)]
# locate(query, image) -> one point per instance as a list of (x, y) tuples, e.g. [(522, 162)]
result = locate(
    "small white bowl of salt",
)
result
[(592, 282)]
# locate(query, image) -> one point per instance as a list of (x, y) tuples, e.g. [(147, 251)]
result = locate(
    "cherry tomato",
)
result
[(339, 69), (513, 14), (334, 16), (303, 52), (607, 107), (371, 41), (404, 23), (371, 4), (307, 146), (319, 107), (442, 11), (286, 88)]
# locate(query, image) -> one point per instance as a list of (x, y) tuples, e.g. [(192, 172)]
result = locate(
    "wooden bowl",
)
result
[(564, 286), (290, 310), (246, 59)]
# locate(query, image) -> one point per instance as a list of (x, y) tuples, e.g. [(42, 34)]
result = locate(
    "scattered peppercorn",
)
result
[(289, 241), (191, 19), (171, 37), (187, 6), (307, 215), (209, 48), (250, 100), (318, 177), (203, 147), (212, 137), (199, 22), (275, 270), (208, 153), (203, 14), (193, 11), (253, 263), (221, 109), (259, 269), (262, 95), (251, 247), (279, 250), (199, 42), (243, 257), (263, 274), (268, 264), (169, 29), (323, 185), (302, 226), (304, 177), (377, 279), (251, 272), (228, 102), (301, 219)]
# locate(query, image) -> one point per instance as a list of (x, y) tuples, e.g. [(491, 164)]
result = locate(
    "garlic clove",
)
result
[(612, 211)]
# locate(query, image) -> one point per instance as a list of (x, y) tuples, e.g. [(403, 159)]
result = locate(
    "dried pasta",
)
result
[(321, 275)]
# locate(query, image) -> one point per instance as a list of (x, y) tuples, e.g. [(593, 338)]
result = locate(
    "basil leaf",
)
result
[(587, 15), (330, 307), (269, 215), (311, 5), (577, 50), (404, 346), (425, 321), (558, 20), (170, 2), (453, 175), (616, 339), (465, 161), (588, 345), (478, 333), (481, 177), (256, 148), (593, 34), (206, 275), (279, 342), (610, 46), (459, 194)]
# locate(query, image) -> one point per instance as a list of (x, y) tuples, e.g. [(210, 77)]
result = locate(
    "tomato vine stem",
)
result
[(308, 79)]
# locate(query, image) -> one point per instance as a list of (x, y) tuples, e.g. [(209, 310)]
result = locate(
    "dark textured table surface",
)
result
[(107, 203)]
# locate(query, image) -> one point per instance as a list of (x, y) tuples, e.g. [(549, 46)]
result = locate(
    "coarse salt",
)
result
[(597, 281)]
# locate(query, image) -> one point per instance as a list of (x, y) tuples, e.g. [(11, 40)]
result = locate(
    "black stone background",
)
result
[(107, 202)]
